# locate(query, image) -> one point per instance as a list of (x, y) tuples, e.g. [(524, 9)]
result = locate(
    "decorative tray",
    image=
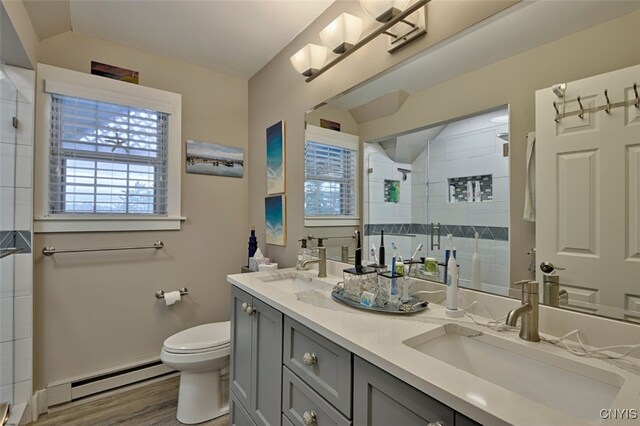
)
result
[(413, 306)]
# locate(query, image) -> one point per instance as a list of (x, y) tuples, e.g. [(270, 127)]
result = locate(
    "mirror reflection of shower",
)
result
[(458, 179)]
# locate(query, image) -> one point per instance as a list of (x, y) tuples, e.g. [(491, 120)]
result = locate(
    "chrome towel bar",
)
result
[(183, 292), (50, 251)]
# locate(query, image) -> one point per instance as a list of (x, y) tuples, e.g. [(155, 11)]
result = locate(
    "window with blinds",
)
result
[(107, 158), (330, 180)]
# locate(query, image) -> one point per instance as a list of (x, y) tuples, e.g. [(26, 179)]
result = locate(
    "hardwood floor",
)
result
[(153, 404)]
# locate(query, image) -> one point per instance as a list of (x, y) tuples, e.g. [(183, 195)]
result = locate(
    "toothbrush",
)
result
[(394, 282), (397, 253), (373, 253), (415, 253)]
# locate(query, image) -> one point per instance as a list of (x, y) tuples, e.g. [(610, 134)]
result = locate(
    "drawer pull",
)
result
[(250, 310), (309, 358), (244, 306), (309, 418)]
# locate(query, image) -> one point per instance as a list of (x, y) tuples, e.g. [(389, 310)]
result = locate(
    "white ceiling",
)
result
[(524, 26), (236, 37)]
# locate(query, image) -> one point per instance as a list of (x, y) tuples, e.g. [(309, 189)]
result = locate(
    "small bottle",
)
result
[(304, 253), (253, 243), (470, 191), (478, 193)]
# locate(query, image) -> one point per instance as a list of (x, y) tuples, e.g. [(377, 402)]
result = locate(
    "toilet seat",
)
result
[(200, 339)]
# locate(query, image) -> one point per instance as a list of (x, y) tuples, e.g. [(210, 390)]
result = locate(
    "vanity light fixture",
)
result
[(342, 34), (308, 60), (384, 10)]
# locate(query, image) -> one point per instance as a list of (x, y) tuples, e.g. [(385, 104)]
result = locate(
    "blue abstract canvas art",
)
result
[(276, 159), (275, 220)]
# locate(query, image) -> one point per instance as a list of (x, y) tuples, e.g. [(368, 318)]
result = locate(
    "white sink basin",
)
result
[(292, 282), (574, 388)]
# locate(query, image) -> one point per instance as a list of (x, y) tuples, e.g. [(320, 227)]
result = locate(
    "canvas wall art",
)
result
[(117, 73), (276, 159), (276, 220), (213, 159)]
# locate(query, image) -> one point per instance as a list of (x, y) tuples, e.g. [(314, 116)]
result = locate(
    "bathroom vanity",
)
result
[(300, 358)]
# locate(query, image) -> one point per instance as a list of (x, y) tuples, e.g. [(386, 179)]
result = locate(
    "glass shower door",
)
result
[(8, 115)]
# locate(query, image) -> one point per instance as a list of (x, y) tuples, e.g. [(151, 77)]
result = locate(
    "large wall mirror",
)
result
[(443, 151)]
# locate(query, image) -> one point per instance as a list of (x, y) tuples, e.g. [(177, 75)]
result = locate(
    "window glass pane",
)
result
[(107, 158), (330, 174)]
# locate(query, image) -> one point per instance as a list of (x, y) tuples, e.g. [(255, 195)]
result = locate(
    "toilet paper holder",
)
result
[(160, 293)]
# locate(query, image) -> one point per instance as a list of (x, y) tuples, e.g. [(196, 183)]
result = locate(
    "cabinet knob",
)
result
[(309, 358), (309, 418), (244, 306), (438, 423), (250, 310)]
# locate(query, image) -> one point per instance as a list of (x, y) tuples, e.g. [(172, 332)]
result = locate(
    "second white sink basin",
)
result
[(574, 388), (292, 282)]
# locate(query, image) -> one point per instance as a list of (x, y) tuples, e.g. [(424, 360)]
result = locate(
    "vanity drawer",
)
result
[(322, 364), (303, 406)]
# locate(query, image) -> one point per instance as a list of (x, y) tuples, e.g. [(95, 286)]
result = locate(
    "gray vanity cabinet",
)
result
[(256, 359), (380, 399)]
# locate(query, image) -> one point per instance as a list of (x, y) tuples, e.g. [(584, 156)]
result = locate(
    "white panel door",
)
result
[(588, 186)]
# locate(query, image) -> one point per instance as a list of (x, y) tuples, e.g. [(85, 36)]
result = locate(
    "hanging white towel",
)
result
[(530, 190)]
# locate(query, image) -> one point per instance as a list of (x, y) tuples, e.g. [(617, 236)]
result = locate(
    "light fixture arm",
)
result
[(381, 30)]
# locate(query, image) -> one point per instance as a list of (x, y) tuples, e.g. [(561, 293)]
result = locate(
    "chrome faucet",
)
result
[(552, 295), (321, 261), (528, 312)]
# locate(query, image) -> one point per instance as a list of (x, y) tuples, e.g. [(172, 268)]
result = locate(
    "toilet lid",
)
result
[(201, 337)]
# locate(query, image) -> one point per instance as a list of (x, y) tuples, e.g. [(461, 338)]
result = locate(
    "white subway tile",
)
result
[(6, 363), (23, 208), (22, 321), (22, 360), (7, 276), (22, 391), (6, 394), (24, 166), (7, 164), (6, 319), (8, 109), (24, 132), (7, 211)]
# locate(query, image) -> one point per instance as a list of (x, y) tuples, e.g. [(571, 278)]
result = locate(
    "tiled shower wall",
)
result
[(463, 149), (16, 271)]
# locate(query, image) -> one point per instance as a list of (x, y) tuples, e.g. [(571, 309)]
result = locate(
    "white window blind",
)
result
[(330, 180), (107, 158)]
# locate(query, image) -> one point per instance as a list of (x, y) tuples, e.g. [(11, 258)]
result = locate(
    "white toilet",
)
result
[(201, 354)]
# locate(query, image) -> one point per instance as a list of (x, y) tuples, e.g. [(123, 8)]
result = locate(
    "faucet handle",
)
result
[(528, 286)]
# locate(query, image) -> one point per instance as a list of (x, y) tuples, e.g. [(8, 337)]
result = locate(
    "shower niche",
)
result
[(471, 189)]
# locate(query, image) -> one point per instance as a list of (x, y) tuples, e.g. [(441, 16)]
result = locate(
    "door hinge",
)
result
[(505, 149), (14, 122)]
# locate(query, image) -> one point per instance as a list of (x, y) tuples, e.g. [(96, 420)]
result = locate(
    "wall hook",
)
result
[(635, 89), (607, 109), (581, 115), (555, 106)]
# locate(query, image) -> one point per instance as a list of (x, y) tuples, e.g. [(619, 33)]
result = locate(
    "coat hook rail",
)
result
[(606, 108), (50, 251)]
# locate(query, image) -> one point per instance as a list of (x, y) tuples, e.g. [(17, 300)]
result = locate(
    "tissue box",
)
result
[(255, 262), (269, 267)]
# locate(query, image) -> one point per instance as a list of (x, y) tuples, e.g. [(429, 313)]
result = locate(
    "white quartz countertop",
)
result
[(378, 338)]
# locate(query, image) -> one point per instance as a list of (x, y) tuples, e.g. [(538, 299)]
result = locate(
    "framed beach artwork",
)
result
[(276, 159), (275, 213), (213, 159)]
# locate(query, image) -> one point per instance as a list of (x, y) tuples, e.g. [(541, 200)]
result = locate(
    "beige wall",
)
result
[(277, 92), (97, 310), (24, 29), (513, 81)]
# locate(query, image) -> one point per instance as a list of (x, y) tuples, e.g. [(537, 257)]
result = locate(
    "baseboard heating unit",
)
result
[(73, 389)]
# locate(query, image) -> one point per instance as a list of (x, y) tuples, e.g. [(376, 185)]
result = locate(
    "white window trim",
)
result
[(342, 140), (77, 84)]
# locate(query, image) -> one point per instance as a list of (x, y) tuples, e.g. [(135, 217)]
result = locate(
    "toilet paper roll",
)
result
[(172, 297)]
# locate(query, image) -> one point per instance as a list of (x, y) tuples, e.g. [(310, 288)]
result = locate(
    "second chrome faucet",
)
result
[(528, 312)]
